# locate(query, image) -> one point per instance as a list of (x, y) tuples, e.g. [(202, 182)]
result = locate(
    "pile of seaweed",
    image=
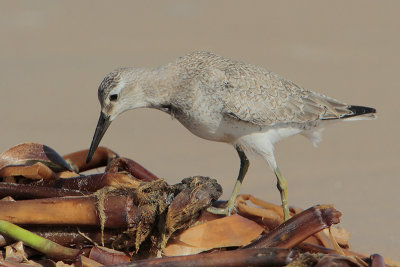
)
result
[(54, 213)]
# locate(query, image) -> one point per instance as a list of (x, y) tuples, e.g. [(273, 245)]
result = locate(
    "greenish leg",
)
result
[(282, 186), (244, 165)]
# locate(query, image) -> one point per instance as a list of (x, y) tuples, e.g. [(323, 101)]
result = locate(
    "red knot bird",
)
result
[(224, 100)]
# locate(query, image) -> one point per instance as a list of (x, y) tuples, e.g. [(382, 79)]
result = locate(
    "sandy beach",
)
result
[(54, 55)]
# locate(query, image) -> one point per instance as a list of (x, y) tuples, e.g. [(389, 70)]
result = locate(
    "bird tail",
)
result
[(359, 113), (337, 110)]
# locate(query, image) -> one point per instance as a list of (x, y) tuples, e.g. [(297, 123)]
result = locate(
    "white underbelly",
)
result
[(229, 131)]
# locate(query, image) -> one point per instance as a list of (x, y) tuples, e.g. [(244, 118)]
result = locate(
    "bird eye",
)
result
[(113, 97)]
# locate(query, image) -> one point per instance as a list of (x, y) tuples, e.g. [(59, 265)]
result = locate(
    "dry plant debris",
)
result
[(128, 216)]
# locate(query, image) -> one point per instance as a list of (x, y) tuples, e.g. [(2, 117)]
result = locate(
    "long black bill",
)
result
[(101, 128)]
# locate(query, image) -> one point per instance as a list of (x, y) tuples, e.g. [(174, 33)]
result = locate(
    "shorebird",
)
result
[(224, 100)]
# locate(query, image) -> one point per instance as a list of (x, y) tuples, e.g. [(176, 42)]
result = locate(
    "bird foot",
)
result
[(222, 211)]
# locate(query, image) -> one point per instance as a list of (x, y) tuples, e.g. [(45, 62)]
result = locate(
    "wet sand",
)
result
[(54, 56)]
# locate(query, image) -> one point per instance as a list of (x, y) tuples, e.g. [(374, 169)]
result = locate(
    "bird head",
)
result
[(118, 92)]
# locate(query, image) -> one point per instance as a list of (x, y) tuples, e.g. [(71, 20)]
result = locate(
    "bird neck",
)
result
[(158, 84)]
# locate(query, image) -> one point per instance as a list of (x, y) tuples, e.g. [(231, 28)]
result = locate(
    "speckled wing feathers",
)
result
[(253, 94), (263, 98), (280, 101)]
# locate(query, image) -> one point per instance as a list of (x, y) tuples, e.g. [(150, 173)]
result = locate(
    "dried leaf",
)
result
[(35, 171), (66, 174), (261, 203), (7, 198), (324, 238), (63, 264), (341, 235), (10, 179), (86, 262), (269, 215), (229, 231), (15, 252), (7, 263)]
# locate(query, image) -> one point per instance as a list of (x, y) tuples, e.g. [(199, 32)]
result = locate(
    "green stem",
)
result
[(47, 247)]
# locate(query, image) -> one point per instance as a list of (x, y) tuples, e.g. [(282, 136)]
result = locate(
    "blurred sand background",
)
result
[(54, 55)]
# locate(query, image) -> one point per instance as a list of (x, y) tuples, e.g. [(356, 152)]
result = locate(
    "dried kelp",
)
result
[(136, 216)]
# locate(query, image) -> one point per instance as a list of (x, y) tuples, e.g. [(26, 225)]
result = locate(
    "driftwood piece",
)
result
[(377, 261), (101, 157), (136, 209), (239, 258), (108, 256), (299, 227), (73, 235), (342, 261), (270, 216), (119, 211), (29, 191), (94, 182), (313, 248)]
